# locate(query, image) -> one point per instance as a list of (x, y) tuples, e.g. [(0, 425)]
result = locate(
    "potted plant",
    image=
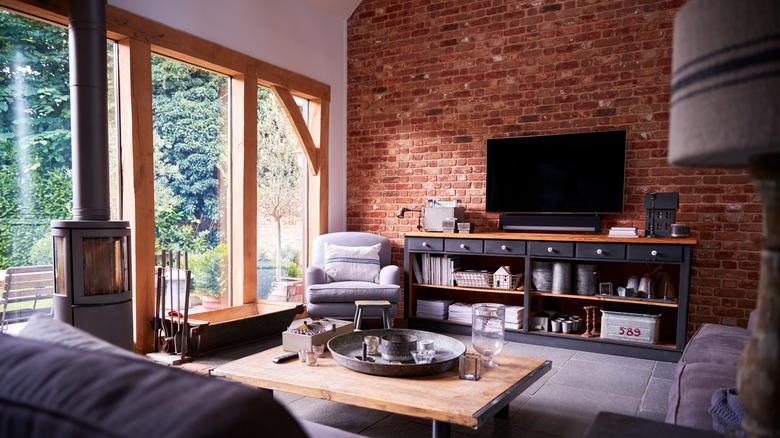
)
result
[(209, 276)]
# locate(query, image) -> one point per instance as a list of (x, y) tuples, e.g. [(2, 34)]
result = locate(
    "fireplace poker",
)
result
[(163, 319), (157, 312), (186, 328), (170, 345)]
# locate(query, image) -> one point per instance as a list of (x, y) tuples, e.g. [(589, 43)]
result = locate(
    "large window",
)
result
[(35, 142), (281, 172), (35, 153), (191, 155), (183, 128)]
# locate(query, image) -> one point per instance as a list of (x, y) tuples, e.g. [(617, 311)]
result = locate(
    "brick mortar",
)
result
[(430, 81)]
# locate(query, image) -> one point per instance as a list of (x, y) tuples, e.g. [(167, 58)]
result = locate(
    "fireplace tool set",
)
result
[(172, 303)]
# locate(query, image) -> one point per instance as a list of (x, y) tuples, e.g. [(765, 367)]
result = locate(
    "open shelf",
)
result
[(471, 289), (612, 299), (616, 260)]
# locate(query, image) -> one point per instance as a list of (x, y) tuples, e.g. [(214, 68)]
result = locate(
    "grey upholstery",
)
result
[(708, 363), (59, 381), (336, 299)]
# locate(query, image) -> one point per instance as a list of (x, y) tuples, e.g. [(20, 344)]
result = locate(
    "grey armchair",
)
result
[(354, 266)]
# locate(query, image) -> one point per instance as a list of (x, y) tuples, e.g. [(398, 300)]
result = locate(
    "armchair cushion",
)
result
[(350, 291), (352, 263)]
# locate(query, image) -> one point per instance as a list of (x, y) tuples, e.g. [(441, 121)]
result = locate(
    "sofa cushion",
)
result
[(49, 390), (358, 263), (718, 344), (691, 393), (349, 291)]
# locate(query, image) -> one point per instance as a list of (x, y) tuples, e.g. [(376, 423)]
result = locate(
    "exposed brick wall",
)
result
[(430, 81)]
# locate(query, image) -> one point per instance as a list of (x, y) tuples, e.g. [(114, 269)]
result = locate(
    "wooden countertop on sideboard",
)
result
[(557, 237)]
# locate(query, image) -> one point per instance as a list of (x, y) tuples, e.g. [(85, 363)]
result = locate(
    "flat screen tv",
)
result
[(579, 173)]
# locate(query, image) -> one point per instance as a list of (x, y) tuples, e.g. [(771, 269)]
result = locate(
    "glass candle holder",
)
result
[(311, 358), (372, 345), (469, 366)]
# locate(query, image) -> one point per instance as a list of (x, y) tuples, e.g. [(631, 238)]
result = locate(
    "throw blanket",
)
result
[(726, 410)]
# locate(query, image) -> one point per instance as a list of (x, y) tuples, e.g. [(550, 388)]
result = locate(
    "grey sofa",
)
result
[(76, 385), (708, 364), (329, 298)]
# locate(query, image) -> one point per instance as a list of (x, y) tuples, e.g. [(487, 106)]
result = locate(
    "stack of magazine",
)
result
[(514, 317), (460, 312), (623, 232), (436, 309)]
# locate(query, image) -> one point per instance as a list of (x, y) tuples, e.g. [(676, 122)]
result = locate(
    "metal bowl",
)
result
[(347, 349)]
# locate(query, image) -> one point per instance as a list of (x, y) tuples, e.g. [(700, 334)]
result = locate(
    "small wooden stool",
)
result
[(361, 304)]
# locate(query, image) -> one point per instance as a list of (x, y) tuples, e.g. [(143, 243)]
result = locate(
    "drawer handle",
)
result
[(654, 253), (503, 247), (462, 246), (599, 251), (549, 249), (425, 244)]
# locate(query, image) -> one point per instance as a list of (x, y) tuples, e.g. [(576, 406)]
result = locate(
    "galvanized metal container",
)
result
[(561, 278), (587, 281)]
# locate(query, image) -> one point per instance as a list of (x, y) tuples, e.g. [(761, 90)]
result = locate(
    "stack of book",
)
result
[(437, 309), (623, 232), (460, 312), (436, 270), (514, 317)]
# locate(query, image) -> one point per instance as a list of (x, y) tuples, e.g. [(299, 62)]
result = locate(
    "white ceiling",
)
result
[(340, 8)]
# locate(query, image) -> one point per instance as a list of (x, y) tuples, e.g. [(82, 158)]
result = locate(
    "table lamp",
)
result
[(725, 112)]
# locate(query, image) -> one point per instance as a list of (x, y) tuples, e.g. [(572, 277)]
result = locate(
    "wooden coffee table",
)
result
[(443, 398)]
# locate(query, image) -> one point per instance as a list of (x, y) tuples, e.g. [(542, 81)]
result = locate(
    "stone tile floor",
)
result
[(562, 403)]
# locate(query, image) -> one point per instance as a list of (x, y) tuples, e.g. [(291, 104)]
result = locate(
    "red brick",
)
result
[(429, 82)]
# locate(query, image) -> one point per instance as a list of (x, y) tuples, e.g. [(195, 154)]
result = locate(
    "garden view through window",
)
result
[(191, 158), (191, 155), (281, 191), (35, 146), (190, 108)]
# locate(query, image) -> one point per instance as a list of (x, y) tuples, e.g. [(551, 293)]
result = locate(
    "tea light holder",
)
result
[(469, 366), (372, 345)]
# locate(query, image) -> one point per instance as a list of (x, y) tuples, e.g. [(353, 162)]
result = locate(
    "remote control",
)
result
[(285, 357)]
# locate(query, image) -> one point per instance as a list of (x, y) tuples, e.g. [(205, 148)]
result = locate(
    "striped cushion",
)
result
[(356, 263)]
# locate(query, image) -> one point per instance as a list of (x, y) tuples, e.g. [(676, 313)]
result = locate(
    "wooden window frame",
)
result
[(137, 39)]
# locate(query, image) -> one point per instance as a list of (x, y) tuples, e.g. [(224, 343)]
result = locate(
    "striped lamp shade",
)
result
[(725, 98)]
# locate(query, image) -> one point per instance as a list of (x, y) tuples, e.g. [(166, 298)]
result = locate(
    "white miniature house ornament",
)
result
[(502, 278)]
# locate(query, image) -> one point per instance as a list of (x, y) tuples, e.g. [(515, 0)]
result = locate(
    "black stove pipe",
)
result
[(89, 109)]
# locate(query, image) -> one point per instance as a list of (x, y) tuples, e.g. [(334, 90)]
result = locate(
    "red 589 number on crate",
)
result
[(634, 327)]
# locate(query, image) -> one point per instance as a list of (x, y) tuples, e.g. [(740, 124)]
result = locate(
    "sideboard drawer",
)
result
[(606, 251), (661, 253), (551, 249), (425, 244), (469, 246), (505, 247)]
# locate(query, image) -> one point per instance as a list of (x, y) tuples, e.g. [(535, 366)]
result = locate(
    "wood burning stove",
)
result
[(92, 288)]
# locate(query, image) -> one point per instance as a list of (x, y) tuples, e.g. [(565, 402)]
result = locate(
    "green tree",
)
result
[(35, 150), (190, 154), (279, 179)]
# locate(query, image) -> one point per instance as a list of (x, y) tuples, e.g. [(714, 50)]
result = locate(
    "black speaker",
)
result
[(550, 222)]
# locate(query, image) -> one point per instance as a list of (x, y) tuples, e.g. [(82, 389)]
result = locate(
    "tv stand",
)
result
[(550, 222), (615, 260)]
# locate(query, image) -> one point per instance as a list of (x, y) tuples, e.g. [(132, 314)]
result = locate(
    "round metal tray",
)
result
[(346, 349)]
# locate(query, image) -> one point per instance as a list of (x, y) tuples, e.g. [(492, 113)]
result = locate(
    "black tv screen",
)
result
[(579, 173)]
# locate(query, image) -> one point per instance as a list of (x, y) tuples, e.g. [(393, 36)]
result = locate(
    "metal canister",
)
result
[(587, 282), (561, 278), (542, 275)]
